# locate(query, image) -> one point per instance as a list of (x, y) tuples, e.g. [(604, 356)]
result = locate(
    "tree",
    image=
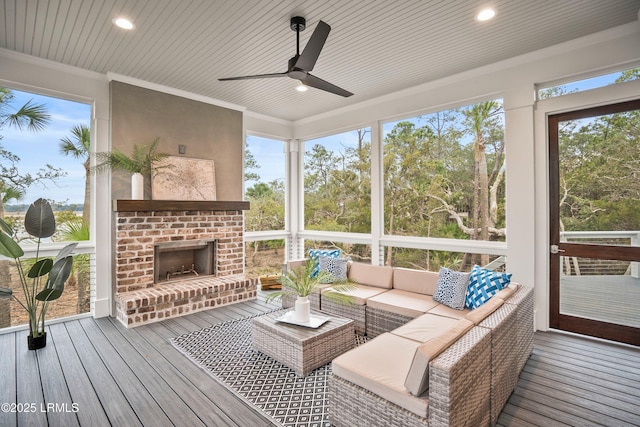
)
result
[(600, 166), (436, 169), (318, 165), (250, 163), (480, 120), (31, 117), (79, 147), (267, 210)]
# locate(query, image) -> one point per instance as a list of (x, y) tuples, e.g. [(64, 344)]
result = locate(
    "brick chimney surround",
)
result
[(141, 224)]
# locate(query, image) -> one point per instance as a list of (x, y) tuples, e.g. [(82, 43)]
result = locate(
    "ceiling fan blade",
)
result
[(257, 76), (312, 50), (318, 83)]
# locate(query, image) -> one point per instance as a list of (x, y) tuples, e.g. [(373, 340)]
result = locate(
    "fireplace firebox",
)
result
[(183, 259)]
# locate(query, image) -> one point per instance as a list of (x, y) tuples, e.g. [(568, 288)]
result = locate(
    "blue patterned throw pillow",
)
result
[(451, 289), (483, 285), (315, 255)]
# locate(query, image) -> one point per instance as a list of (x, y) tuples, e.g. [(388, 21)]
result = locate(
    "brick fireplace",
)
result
[(144, 229)]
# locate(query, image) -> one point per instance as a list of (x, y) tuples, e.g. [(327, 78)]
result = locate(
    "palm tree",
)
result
[(8, 193), (31, 117), (74, 231), (79, 147)]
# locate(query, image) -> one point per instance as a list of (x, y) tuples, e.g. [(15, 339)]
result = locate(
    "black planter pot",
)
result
[(37, 342)]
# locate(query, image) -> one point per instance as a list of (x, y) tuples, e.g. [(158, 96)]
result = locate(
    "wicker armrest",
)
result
[(460, 382)]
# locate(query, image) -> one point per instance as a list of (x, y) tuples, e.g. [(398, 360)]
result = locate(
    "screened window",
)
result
[(264, 180), (444, 174), (433, 260), (546, 92), (44, 153), (337, 182)]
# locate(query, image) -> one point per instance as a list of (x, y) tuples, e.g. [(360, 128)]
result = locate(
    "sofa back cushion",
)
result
[(418, 281), (371, 275), (506, 292), (477, 315), (417, 381)]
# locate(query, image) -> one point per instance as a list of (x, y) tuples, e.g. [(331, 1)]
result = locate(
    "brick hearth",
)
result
[(138, 299)]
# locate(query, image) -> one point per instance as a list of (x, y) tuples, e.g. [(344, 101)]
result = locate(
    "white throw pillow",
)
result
[(451, 289)]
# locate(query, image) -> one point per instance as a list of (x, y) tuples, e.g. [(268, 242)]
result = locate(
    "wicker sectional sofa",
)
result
[(426, 364)]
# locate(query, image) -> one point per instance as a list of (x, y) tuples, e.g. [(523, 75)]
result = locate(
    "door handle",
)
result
[(555, 250)]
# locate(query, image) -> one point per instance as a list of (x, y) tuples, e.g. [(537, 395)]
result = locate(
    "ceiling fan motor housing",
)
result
[(298, 23)]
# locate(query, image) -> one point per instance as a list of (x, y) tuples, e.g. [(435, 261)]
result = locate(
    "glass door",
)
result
[(594, 178)]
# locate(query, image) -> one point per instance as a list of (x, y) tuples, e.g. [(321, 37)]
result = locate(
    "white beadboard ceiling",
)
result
[(375, 47)]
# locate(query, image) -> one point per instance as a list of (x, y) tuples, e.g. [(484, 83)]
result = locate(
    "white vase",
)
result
[(302, 310), (137, 186)]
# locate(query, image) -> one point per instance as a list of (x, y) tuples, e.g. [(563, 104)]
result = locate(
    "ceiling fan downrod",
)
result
[(298, 23)]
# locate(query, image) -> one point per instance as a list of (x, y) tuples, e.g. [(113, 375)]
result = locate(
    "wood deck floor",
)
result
[(132, 377)]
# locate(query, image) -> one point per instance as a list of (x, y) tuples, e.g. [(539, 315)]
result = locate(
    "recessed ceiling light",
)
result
[(485, 14), (301, 88), (124, 23)]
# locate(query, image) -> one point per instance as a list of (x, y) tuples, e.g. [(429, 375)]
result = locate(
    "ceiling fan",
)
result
[(300, 65)]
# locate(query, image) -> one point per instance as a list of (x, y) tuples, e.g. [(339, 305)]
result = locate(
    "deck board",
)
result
[(59, 410), (115, 404), (8, 377), (167, 397), (192, 396), (120, 376), (28, 385), (82, 393)]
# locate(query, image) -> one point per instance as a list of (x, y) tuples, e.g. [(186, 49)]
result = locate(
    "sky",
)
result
[(39, 148)]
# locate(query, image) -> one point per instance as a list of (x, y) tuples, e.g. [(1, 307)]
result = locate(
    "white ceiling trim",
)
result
[(172, 91), (41, 62), (260, 116)]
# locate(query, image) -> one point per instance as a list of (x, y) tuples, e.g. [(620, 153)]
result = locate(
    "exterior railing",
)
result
[(571, 266)]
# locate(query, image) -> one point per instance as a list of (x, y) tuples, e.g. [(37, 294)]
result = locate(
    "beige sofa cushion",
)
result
[(404, 303), (421, 282), (479, 314), (381, 366), (443, 310), (417, 380), (425, 327), (360, 294), (505, 293), (372, 275)]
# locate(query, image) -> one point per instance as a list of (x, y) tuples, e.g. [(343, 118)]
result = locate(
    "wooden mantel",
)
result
[(178, 205)]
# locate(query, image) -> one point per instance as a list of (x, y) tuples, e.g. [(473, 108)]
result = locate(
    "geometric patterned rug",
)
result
[(224, 351)]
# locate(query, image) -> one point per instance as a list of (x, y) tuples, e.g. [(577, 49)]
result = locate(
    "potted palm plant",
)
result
[(43, 280), (301, 282), (142, 161)]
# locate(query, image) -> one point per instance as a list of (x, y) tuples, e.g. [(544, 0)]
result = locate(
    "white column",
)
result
[(294, 210), (520, 186), (102, 213), (377, 187)]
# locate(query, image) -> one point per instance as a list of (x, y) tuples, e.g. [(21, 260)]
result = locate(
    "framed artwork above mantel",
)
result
[(184, 178)]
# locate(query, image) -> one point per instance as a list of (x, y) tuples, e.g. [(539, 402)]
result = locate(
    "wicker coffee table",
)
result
[(300, 348)]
